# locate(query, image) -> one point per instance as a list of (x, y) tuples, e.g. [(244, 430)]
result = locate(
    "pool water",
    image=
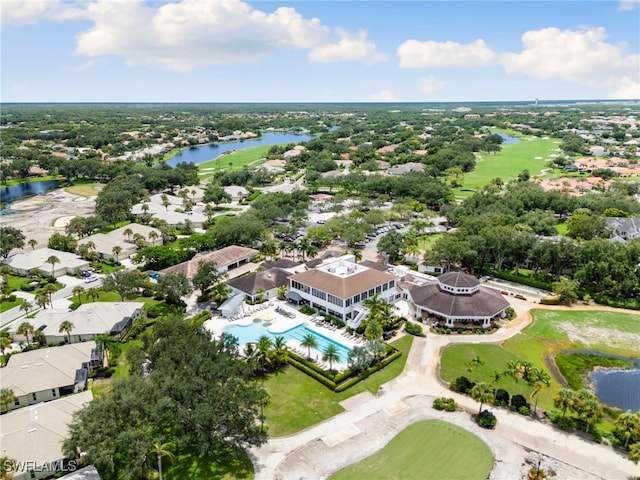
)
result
[(252, 332)]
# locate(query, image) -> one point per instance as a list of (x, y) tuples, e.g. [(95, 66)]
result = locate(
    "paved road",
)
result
[(370, 422)]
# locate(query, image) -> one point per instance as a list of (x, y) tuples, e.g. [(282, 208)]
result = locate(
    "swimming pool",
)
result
[(253, 331)]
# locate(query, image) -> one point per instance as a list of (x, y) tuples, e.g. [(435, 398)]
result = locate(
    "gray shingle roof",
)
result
[(486, 302)]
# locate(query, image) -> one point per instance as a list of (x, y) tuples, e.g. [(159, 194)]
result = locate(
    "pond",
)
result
[(506, 139), (616, 387), (19, 190), (203, 153)]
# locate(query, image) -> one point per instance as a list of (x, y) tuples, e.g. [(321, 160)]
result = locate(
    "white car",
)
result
[(91, 279)]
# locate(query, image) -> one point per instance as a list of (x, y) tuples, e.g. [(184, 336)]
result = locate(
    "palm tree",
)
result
[(25, 329), (26, 306), (280, 351), (627, 427), (153, 236), (282, 292), (5, 342), (49, 289), (7, 397), (66, 327), (116, 250), (330, 354), (139, 240), (7, 467), (165, 201), (634, 452), (52, 260), (162, 450), (309, 341), (357, 254), (32, 243), (78, 291), (482, 392), (265, 347), (128, 232), (41, 299), (39, 337), (93, 293), (564, 399), (373, 329)]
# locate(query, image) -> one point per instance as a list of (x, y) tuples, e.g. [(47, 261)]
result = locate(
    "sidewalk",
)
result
[(369, 423)]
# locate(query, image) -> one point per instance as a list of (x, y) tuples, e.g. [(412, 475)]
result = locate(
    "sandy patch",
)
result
[(62, 222), (589, 335), (80, 199)]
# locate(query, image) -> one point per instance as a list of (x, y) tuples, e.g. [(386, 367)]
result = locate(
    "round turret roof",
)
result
[(458, 280)]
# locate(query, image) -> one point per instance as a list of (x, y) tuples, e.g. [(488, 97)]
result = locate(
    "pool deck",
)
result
[(283, 318)]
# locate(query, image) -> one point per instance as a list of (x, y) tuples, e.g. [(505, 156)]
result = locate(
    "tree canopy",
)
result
[(187, 388)]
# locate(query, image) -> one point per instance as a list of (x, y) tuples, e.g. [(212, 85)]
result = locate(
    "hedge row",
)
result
[(377, 367), (522, 279), (312, 373)]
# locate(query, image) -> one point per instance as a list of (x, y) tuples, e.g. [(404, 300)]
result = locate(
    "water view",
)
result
[(203, 153), (19, 190), (619, 388)]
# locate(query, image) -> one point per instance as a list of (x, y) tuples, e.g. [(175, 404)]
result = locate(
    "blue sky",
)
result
[(318, 51)]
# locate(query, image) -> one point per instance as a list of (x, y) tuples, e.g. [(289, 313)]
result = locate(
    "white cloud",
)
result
[(581, 56), (17, 87), (384, 96), (350, 48), (627, 89), (18, 12), (428, 54), (83, 66), (627, 5), (431, 84)]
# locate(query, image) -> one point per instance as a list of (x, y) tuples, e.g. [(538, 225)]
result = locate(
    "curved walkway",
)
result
[(369, 422)]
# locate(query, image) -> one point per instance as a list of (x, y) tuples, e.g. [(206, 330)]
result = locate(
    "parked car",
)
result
[(91, 279), (154, 275), (86, 273)]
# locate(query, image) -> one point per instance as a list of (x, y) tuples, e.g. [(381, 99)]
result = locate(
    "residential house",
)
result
[(264, 284), (406, 168), (104, 242), (49, 373), (225, 259), (27, 262), (89, 320), (33, 437), (625, 228)]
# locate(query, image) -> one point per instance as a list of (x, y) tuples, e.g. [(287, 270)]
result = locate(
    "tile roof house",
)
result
[(25, 263), (49, 373), (456, 299), (34, 435), (225, 259), (104, 242)]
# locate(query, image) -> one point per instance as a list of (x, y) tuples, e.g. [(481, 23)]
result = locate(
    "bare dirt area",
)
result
[(41, 216), (588, 335)]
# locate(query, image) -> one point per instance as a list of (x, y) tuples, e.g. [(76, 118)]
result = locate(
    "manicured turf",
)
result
[(298, 401), (426, 450), (508, 163), (6, 305), (227, 465), (88, 190), (425, 242), (552, 331), (234, 161)]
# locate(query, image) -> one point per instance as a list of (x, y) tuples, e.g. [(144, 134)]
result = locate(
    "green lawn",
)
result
[(298, 401), (227, 465), (234, 161), (423, 451), (508, 163), (426, 241), (6, 305), (85, 190), (552, 331)]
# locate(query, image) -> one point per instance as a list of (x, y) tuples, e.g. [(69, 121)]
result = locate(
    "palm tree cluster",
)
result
[(583, 403), (266, 355)]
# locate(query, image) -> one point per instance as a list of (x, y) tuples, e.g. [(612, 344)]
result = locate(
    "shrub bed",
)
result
[(486, 419)]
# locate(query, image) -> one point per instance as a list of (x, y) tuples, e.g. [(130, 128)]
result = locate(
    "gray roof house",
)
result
[(89, 320), (624, 228), (457, 299), (25, 263), (105, 242), (406, 168), (267, 281), (49, 373), (34, 435)]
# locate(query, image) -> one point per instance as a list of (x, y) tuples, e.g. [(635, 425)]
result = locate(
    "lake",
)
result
[(619, 388), (203, 153), (19, 190), (506, 139)]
